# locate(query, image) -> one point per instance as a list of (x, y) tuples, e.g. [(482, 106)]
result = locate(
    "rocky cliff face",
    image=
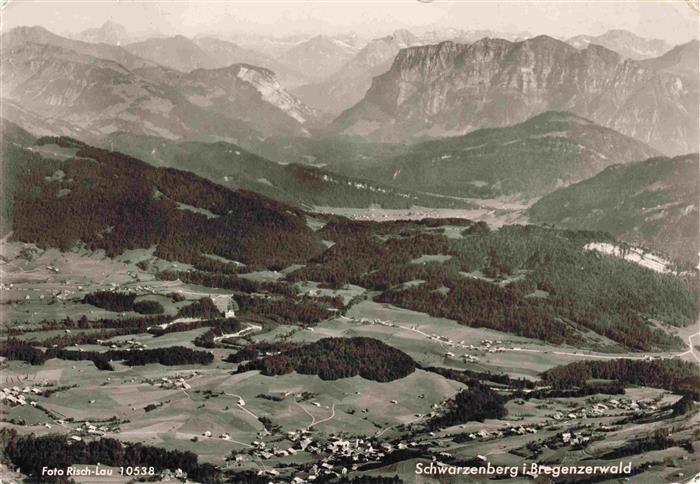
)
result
[(99, 96), (450, 88)]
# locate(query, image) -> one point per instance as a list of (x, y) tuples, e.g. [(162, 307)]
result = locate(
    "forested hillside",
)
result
[(526, 280), (107, 200), (292, 180), (652, 202)]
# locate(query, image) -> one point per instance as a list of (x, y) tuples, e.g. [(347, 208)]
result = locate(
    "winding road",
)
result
[(579, 354)]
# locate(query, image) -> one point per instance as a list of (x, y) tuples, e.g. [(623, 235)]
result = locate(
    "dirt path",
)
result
[(242, 407), (331, 417)]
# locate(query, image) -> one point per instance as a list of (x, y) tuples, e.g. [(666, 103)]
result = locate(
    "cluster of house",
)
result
[(88, 429), (11, 287), (167, 383), (600, 409), (174, 382), (166, 475), (340, 455), (487, 345), (208, 434), (574, 438), (128, 345), (16, 396), (504, 432)]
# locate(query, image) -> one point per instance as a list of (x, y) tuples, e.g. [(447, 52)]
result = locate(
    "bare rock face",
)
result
[(451, 88)]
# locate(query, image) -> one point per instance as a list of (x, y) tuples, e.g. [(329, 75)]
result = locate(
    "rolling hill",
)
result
[(653, 203)]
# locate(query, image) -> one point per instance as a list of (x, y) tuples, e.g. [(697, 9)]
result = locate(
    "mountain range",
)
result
[(177, 87), (83, 89), (16, 38), (449, 89), (345, 87), (185, 55)]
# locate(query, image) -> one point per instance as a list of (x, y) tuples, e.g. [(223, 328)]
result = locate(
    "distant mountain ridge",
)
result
[(176, 52), (108, 33), (624, 43), (48, 79), (528, 159), (318, 57), (449, 89), (38, 35), (347, 86)]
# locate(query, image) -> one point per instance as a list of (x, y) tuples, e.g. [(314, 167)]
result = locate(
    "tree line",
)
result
[(14, 349)]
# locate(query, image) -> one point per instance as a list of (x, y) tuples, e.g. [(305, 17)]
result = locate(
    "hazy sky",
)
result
[(675, 21)]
